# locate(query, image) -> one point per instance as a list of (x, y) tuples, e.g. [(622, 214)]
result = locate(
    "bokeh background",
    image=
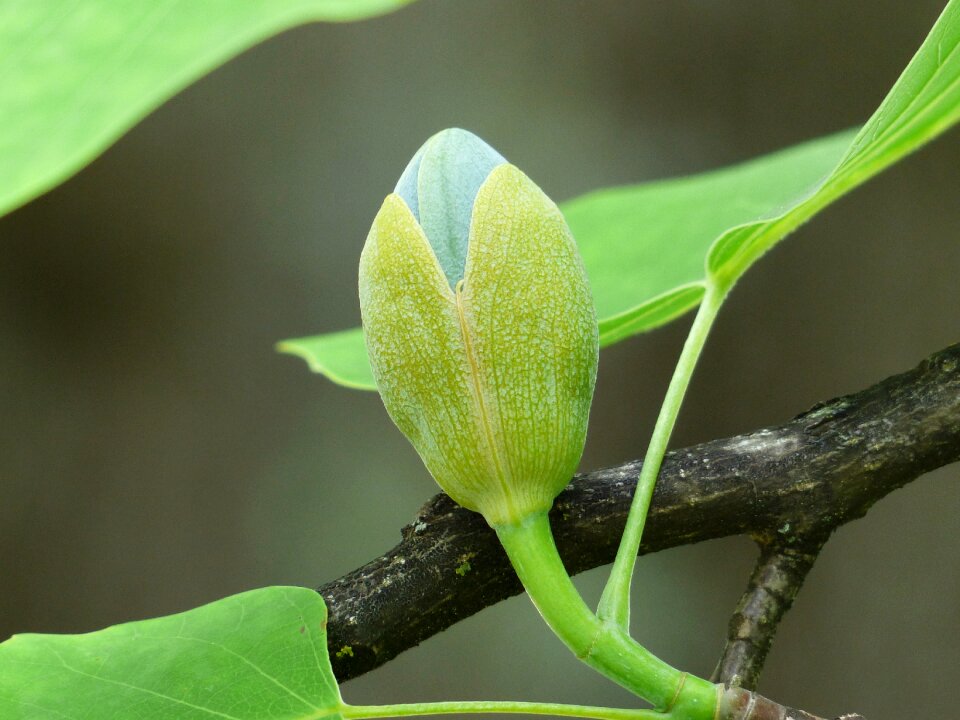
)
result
[(156, 453)]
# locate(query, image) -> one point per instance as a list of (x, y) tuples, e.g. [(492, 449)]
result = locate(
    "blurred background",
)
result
[(156, 453)]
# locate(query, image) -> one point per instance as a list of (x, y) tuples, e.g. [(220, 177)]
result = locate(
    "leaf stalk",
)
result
[(614, 607), (358, 712)]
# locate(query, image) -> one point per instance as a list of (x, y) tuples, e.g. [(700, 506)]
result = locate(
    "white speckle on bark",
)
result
[(765, 443)]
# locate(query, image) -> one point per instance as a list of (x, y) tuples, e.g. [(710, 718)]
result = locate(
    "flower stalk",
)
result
[(604, 646)]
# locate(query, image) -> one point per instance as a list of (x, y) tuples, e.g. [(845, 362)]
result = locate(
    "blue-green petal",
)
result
[(407, 184), (449, 170)]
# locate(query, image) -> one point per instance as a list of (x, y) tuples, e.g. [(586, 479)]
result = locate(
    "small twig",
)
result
[(775, 582), (739, 704), (773, 586), (795, 481)]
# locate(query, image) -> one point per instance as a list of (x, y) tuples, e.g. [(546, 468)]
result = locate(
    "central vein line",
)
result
[(481, 401)]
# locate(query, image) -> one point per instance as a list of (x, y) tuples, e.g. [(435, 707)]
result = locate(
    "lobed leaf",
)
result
[(651, 250), (77, 75), (259, 655)]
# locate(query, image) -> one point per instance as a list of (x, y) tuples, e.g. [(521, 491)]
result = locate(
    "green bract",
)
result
[(480, 327)]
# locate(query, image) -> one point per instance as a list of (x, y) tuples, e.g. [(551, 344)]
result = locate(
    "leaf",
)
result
[(340, 356), (651, 250), (645, 246), (255, 656), (77, 75), (923, 103)]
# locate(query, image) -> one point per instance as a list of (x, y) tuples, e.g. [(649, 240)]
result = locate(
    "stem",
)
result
[(492, 706), (604, 647), (615, 601)]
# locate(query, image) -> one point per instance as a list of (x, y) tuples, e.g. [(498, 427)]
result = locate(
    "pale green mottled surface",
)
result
[(492, 382), (644, 246), (417, 353), (259, 655), (529, 314)]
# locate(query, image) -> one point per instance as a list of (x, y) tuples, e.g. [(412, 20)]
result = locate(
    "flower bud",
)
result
[(480, 327)]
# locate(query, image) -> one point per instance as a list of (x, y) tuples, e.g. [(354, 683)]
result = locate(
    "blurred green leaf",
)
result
[(258, 655), (77, 75), (651, 250), (341, 356)]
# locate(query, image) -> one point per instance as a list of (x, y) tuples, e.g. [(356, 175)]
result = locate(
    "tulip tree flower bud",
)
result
[(480, 327)]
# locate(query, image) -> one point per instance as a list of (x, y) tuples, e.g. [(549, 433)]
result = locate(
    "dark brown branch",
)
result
[(774, 584), (795, 481)]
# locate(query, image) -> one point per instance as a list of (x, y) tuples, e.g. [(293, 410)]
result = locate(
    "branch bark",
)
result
[(773, 586), (781, 485)]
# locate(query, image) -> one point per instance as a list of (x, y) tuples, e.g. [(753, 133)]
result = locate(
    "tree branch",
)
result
[(772, 588), (781, 484)]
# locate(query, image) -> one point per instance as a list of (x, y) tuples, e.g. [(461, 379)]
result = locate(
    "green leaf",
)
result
[(78, 75), (645, 246), (651, 250), (923, 103), (255, 656), (341, 356)]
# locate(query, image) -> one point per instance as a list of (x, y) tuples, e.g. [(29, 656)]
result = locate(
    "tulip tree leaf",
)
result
[(923, 103), (648, 242), (260, 655), (77, 75), (651, 250), (341, 356)]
